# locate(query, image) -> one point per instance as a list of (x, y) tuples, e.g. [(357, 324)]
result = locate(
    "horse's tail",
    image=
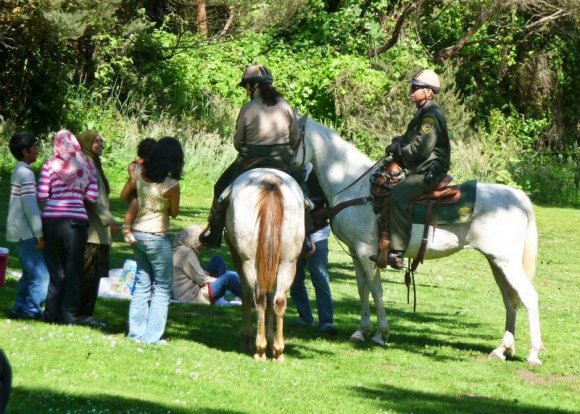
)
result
[(270, 220), (531, 243)]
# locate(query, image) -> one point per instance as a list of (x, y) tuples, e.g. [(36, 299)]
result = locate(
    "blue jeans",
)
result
[(150, 302), (318, 268), (216, 266), (228, 281), (33, 285)]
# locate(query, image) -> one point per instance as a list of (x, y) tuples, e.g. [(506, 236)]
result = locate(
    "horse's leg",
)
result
[(270, 323), (383, 325), (363, 291), (510, 300), (261, 343), (280, 308), (522, 288), (247, 300)]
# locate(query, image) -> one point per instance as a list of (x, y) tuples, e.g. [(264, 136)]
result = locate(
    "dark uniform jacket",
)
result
[(425, 144)]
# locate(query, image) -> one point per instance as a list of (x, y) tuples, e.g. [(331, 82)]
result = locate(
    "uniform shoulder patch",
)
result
[(427, 125)]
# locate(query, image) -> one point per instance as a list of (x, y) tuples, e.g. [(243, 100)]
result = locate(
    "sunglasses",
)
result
[(415, 88)]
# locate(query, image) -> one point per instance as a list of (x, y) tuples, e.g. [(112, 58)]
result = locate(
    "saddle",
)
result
[(383, 182)]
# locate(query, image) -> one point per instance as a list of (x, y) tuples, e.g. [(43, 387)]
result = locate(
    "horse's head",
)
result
[(302, 152)]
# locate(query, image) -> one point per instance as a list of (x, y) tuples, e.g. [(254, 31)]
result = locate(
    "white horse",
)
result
[(265, 232), (503, 229)]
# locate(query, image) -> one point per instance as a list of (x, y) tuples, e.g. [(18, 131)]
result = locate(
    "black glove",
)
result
[(394, 147)]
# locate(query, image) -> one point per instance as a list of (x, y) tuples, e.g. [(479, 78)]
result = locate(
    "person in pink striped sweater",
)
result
[(66, 181)]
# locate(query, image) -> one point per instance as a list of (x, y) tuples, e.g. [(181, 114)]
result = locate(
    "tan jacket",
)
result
[(190, 280), (259, 124), (100, 217)]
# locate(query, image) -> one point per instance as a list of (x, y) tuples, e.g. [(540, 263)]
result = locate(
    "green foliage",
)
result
[(551, 178), (129, 65)]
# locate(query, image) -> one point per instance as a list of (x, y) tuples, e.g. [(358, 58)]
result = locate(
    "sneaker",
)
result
[(301, 323), (90, 321), (23, 316), (328, 329)]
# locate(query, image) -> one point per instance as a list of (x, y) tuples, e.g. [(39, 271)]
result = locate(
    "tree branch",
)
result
[(482, 18), (229, 22), (411, 7)]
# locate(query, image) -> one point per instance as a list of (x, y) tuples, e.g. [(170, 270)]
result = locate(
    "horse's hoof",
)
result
[(534, 360), (378, 340), (260, 357), (357, 337), (279, 359), (497, 353)]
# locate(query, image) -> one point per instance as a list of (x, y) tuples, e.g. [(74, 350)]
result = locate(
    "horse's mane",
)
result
[(338, 151), (341, 148)]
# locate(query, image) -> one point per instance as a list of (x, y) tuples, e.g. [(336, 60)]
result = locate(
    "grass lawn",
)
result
[(435, 361)]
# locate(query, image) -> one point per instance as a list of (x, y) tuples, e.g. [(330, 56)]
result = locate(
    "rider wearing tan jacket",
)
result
[(266, 132)]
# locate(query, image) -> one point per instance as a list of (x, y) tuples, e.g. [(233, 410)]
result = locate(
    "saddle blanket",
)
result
[(458, 212), (448, 214)]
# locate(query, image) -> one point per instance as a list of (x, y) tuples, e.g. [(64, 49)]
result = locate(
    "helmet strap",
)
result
[(251, 90)]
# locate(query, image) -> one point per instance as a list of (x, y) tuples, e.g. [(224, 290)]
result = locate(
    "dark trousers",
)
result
[(96, 266), (66, 240), (401, 207)]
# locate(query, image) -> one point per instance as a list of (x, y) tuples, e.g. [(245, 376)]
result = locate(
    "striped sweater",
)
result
[(61, 201), (24, 220)]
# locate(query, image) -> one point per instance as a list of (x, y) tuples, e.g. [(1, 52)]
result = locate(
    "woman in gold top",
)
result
[(157, 186)]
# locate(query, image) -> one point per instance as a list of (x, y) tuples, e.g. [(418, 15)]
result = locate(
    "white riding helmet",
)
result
[(428, 79)]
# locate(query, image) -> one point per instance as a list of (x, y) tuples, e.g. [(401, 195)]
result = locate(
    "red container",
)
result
[(3, 265)]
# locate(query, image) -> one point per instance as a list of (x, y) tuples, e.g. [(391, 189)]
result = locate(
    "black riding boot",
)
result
[(213, 240), (395, 259)]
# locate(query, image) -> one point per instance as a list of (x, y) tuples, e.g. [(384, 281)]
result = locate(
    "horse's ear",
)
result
[(301, 121)]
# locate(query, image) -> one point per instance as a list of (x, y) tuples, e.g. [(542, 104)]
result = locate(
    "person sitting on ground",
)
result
[(194, 283), (143, 150), (266, 129)]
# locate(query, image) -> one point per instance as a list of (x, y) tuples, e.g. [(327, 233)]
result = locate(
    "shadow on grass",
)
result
[(389, 398), (31, 400), (221, 328)]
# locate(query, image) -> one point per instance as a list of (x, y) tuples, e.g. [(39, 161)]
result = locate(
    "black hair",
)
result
[(269, 94), (145, 146), (166, 159), (21, 141)]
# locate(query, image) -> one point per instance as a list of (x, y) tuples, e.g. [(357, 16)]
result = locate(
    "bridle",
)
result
[(301, 143)]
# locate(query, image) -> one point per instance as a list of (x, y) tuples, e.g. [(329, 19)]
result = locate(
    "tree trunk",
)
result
[(201, 18)]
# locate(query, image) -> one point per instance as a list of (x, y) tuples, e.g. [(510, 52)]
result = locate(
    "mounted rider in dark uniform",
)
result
[(424, 151)]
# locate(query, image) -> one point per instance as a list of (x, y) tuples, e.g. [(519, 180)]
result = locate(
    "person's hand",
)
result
[(394, 147), (131, 169), (40, 243), (114, 227)]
